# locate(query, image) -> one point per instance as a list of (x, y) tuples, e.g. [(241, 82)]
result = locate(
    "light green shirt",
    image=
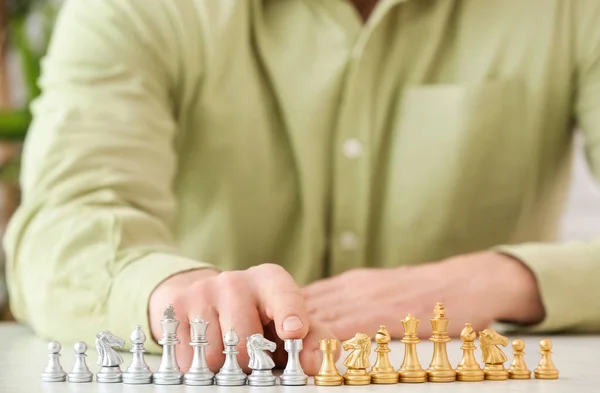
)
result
[(175, 134)]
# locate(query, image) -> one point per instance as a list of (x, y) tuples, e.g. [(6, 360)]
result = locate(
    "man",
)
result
[(228, 156)]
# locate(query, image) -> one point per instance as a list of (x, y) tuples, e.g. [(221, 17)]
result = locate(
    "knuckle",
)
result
[(231, 279), (271, 269)]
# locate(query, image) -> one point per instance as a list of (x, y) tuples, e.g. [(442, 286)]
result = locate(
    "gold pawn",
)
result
[(468, 369), (546, 369), (518, 369), (328, 374), (383, 372), (357, 361), (440, 369), (411, 370)]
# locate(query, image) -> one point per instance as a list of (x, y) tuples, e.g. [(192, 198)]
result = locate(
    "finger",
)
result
[(280, 300), (238, 310), (311, 356)]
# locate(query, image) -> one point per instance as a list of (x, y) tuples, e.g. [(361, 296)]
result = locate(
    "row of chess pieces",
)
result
[(440, 369), (169, 372), (359, 370)]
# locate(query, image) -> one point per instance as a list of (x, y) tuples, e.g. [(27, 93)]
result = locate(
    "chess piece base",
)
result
[(54, 377), (109, 375), (293, 380), (495, 372), (80, 377), (162, 378), (261, 378), (441, 375), (230, 380), (384, 377), (199, 378), (357, 377), (519, 374), (137, 378), (412, 376), (546, 374), (329, 380), (475, 375)]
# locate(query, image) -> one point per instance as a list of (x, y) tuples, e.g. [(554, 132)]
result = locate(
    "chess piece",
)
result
[(493, 357), (328, 374), (518, 369), (440, 369), (168, 372), (357, 361), (230, 374), (383, 372), (80, 372), (260, 363), (54, 371), (138, 372), (468, 369), (108, 359), (293, 375), (199, 373), (411, 370), (546, 368)]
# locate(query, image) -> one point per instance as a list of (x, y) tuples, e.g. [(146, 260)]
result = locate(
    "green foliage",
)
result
[(14, 124)]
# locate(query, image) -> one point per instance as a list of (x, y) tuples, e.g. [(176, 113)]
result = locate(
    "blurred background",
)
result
[(25, 29)]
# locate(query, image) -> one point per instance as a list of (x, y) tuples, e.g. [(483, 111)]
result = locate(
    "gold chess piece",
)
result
[(546, 369), (357, 361), (518, 369), (383, 372), (468, 369), (440, 369), (328, 374), (493, 357), (411, 370)]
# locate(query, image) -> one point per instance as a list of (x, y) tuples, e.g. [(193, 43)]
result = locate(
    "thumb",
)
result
[(280, 300)]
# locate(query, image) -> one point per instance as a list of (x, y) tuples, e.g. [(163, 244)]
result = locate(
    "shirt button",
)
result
[(352, 148), (348, 241)]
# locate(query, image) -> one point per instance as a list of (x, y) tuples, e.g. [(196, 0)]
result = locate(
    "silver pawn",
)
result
[(138, 372), (231, 373), (260, 363), (199, 373), (108, 359), (293, 375), (54, 371), (168, 372), (80, 372)]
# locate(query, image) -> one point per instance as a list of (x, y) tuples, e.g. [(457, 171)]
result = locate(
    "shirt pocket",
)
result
[(460, 161)]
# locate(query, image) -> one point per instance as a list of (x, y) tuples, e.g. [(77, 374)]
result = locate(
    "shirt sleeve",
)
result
[(568, 274), (92, 237)]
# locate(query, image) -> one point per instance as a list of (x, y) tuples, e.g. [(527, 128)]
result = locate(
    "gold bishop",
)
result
[(468, 369), (383, 372)]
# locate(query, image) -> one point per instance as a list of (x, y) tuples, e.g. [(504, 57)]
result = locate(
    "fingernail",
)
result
[(291, 324)]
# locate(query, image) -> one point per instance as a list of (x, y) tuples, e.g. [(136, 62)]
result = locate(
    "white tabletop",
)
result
[(23, 357)]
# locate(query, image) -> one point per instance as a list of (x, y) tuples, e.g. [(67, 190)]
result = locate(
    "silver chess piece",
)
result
[(108, 359), (260, 363), (168, 372), (54, 371), (231, 373), (199, 373), (138, 372), (293, 375), (80, 372)]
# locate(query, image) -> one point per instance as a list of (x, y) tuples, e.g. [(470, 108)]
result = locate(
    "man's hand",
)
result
[(478, 288), (263, 299)]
